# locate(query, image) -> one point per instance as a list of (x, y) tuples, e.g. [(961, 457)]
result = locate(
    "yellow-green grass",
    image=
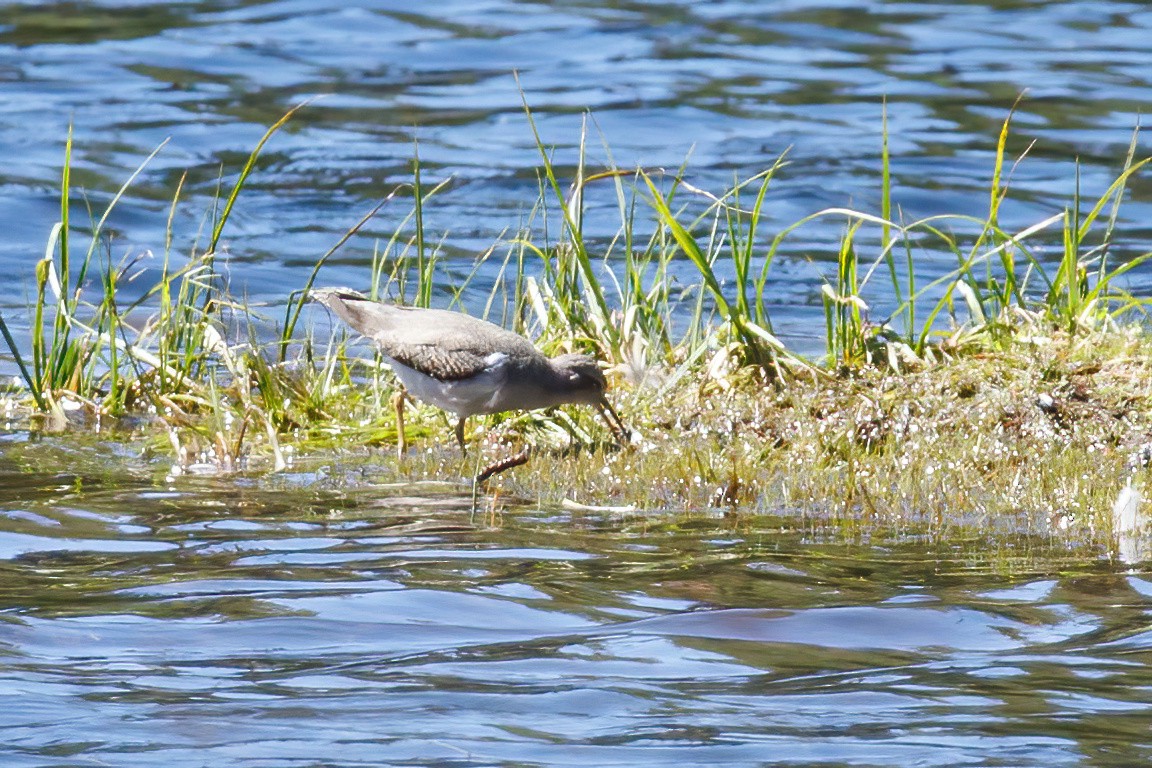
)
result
[(1009, 392)]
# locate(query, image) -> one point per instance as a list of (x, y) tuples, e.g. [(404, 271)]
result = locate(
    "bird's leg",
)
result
[(401, 439), (460, 434)]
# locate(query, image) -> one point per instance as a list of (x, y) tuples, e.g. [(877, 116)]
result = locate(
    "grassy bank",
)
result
[(1012, 391)]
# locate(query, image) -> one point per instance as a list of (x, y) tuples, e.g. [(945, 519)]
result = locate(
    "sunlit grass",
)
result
[(1009, 388)]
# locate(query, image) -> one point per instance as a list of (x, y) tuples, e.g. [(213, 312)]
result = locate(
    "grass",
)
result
[(1010, 389)]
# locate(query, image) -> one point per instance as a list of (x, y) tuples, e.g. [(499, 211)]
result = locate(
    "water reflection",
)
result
[(217, 623), (733, 83)]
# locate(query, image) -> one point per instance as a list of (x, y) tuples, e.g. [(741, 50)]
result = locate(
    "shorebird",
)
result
[(468, 366)]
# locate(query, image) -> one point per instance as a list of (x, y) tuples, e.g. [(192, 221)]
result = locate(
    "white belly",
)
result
[(464, 397)]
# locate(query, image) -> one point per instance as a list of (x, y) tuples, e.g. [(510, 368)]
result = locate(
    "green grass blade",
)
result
[(218, 230), (29, 381)]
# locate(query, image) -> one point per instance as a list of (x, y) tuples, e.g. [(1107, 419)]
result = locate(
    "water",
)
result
[(733, 84), (315, 619)]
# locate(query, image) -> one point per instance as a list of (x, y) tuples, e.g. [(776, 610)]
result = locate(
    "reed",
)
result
[(195, 366)]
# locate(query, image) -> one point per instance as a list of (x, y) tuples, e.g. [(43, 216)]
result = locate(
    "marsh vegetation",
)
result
[(1012, 390)]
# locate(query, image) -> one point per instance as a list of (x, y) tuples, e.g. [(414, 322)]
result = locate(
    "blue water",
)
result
[(313, 619), (728, 85), (316, 618)]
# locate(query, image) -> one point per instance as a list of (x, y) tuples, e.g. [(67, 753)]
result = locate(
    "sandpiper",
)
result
[(469, 366)]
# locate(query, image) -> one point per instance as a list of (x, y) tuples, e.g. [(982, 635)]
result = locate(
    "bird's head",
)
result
[(588, 385), (584, 378)]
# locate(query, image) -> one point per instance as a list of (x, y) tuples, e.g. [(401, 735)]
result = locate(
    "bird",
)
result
[(468, 366)]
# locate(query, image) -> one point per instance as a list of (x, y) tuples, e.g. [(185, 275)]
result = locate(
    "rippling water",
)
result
[(733, 83), (318, 619)]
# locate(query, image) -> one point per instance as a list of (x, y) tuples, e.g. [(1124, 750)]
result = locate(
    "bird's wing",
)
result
[(444, 345), (440, 362)]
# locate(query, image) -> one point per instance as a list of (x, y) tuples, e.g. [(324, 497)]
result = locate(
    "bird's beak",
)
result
[(612, 419)]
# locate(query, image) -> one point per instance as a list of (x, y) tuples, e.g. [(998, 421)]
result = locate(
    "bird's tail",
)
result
[(367, 317)]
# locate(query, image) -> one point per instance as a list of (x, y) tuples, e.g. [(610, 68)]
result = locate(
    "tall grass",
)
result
[(87, 347), (744, 319), (999, 286), (613, 295), (574, 284)]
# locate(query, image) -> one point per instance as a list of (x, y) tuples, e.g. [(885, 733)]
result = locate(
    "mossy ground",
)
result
[(1011, 393), (1037, 437)]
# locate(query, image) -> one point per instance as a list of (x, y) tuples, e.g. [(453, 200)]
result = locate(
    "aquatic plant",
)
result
[(868, 427)]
